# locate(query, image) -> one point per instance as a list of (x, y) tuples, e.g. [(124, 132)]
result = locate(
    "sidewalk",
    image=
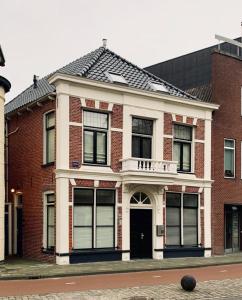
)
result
[(16, 268)]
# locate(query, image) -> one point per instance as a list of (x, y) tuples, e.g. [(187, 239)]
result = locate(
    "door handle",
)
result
[(142, 236)]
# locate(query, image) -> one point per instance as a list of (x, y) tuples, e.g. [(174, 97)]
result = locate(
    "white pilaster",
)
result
[(125, 224), (158, 214), (207, 150), (207, 221)]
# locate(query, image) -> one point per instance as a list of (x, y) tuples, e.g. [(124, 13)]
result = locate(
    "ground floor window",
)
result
[(181, 219), (49, 222), (94, 218)]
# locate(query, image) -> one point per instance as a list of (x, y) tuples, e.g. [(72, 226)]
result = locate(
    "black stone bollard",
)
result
[(188, 283)]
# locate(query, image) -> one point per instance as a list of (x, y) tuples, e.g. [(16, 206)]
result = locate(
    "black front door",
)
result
[(141, 233), (19, 232), (6, 229)]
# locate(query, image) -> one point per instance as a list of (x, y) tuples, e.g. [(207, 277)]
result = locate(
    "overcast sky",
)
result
[(39, 36)]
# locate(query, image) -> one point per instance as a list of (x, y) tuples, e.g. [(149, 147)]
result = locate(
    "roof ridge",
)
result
[(152, 75)]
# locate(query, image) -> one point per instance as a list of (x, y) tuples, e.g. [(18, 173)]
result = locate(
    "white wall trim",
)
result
[(117, 129), (75, 124)]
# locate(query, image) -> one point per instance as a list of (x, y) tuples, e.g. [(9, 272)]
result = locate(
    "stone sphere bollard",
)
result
[(188, 283)]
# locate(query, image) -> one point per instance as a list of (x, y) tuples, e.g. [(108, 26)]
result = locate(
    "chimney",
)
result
[(105, 43), (35, 81)]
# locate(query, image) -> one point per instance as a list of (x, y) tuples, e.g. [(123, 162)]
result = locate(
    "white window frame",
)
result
[(230, 148), (44, 135), (45, 204)]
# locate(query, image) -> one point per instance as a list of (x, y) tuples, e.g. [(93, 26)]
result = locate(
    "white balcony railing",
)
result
[(149, 165)]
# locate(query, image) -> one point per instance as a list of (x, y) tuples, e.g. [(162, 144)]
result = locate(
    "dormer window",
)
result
[(116, 78), (157, 87)]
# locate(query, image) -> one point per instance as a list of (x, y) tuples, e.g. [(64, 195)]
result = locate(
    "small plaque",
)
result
[(75, 164), (160, 230)]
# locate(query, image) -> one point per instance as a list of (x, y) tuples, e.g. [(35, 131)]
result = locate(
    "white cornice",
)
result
[(123, 89)]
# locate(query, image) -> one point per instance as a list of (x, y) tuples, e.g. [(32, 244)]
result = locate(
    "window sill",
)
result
[(183, 172), (48, 250), (229, 177), (95, 165), (48, 164)]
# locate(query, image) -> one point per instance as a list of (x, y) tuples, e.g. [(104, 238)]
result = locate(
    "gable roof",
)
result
[(94, 66)]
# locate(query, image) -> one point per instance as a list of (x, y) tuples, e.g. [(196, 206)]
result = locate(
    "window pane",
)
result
[(88, 146), (183, 132), (229, 143), (190, 216), (228, 162), (186, 157), (50, 119), (146, 147), (190, 200), (173, 216), (82, 237), (136, 146), (51, 237), (105, 196), (50, 198), (50, 145), (173, 236), (82, 215), (190, 235), (95, 119), (83, 196), (51, 215), (173, 199), (101, 147), (177, 154), (142, 126), (104, 237), (105, 215)]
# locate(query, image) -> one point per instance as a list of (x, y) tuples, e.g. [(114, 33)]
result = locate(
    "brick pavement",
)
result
[(215, 289)]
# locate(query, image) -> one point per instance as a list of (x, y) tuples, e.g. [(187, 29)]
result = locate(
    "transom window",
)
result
[(140, 198), (94, 218), (182, 147), (95, 137), (229, 158), (181, 219), (142, 131)]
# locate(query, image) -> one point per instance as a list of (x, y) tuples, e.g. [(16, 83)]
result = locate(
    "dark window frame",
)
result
[(142, 137), (48, 205), (181, 212), (182, 143), (94, 224), (95, 131), (48, 129), (230, 175)]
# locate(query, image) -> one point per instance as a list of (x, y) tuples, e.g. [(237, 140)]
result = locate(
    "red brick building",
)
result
[(215, 75), (108, 162)]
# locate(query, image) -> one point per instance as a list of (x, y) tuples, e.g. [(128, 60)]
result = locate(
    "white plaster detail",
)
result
[(202, 207), (110, 106), (200, 190), (184, 119), (97, 104), (173, 117), (199, 141), (72, 181), (166, 188), (183, 188), (117, 129), (194, 121), (96, 183), (83, 102), (118, 184), (168, 136), (62, 260), (75, 124)]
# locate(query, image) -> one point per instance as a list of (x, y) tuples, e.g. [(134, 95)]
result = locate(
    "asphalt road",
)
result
[(115, 281)]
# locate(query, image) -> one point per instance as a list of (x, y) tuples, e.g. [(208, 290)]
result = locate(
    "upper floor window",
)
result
[(142, 131), (229, 150), (50, 137), (49, 221), (95, 137), (182, 147)]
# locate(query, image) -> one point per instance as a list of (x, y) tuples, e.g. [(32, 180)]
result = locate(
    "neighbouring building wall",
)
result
[(227, 124), (29, 177)]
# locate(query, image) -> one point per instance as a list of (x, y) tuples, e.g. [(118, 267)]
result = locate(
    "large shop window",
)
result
[(182, 147), (94, 218), (49, 137), (142, 131), (95, 137), (50, 221), (181, 219), (229, 149)]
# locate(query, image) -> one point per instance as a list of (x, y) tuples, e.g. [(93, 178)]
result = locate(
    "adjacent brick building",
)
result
[(108, 162), (214, 74)]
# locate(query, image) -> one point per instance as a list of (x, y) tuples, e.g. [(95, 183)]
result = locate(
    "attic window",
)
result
[(115, 77), (158, 87)]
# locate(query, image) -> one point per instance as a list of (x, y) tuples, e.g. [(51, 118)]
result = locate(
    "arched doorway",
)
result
[(140, 226)]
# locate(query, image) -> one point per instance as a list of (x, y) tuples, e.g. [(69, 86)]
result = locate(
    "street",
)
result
[(218, 282)]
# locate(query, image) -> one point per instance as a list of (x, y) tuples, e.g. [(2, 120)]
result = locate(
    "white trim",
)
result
[(194, 121), (72, 181), (83, 102), (200, 141), (168, 136), (97, 104), (116, 129), (75, 124), (110, 106)]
